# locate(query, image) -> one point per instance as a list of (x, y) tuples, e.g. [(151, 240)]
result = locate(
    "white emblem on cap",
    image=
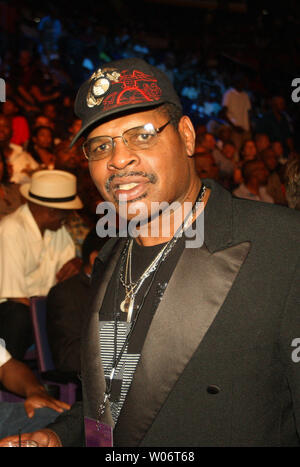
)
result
[(100, 84)]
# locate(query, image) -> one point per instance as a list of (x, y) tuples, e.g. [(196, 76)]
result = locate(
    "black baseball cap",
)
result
[(119, 86)]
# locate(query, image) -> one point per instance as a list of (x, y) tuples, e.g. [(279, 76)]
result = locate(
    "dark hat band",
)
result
[(52, 200)]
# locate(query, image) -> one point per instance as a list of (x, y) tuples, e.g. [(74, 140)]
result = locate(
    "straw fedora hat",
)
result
[(52, 188)]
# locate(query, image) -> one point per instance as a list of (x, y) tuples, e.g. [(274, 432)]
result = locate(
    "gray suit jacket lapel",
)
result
[(178, 327)]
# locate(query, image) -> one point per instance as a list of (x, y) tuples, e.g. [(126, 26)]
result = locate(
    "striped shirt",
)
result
[(126, 366)]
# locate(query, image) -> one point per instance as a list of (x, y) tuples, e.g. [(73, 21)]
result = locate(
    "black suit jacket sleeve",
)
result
[(69, 426)]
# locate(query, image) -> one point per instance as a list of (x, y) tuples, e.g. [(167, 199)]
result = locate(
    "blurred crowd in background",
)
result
[(48, 50)]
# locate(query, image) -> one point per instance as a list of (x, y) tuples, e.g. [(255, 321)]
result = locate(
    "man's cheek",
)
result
[(102, 189), (94, 176)]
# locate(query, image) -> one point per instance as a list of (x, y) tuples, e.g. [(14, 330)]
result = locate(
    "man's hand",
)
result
[(42, 399), (45, 438), (18, 378), (69, 269)]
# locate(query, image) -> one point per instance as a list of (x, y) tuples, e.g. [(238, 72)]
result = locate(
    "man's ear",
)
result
[(187, 133)]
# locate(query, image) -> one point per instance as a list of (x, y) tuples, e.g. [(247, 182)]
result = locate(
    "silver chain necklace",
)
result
[(132, 288)]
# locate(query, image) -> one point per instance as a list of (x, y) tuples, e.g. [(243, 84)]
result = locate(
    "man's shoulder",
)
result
[(16, 148), (271, 210), (229, 91), (19, 154), (71, 284), (237, 219), (107, 250), (227, 95), (267, 218), (11, 223), (105, 255)]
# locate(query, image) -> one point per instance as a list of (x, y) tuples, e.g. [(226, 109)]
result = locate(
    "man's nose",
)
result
[(121, 155)]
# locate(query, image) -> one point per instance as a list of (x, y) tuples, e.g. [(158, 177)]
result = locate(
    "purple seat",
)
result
[(6, 396)]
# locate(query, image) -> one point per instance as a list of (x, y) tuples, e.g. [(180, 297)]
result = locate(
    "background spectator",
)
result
[(20, 162), (255, 177), (262, 142), (36, 411), (236, 108), (66, 304), (36, 251), (248, 150), (20, 127), (292, 182), (10, 196), (41, 147), (276, 125), (275, 184)]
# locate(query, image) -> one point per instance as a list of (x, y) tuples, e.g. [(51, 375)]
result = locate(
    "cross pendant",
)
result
[(127, 307), (125, 304)]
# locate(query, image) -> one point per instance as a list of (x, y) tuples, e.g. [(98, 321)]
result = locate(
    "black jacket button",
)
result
[(213, 389)]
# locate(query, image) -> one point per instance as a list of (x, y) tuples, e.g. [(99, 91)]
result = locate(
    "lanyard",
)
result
[(117, 358)]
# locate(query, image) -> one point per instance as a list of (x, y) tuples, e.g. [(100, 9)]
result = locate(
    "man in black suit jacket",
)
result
[(185, 342), (66, 303)]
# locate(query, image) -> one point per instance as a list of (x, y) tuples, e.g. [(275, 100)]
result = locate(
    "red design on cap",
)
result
[(137, 87)]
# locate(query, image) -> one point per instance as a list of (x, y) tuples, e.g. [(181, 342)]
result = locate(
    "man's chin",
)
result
[(135, 209)]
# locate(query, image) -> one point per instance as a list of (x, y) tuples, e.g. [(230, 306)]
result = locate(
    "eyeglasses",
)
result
[(140, 137)]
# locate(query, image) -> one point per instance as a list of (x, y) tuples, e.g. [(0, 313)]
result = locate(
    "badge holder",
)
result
[(97, 434)]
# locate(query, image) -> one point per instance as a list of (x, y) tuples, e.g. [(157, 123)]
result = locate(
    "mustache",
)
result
[(150, 176)]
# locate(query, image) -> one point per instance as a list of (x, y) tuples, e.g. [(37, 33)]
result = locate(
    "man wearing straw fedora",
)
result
[(36, 252)]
